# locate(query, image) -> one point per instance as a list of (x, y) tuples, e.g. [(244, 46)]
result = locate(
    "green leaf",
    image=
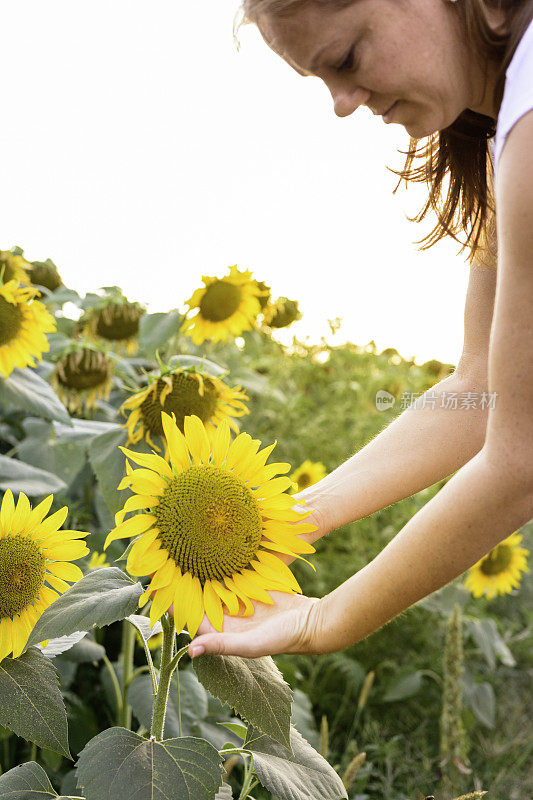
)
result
[(193, 701), (155, 330), (99, 598), (60, 645), (303, 719), (31, 704), (302, 774), (487, 637), (21, 477), (224, 793), (403, 687), (109, 465), (254, 687), (119, 765), (197, 363), (235, 727), (26, 782), (25, 390), (142, 624), (481, 700), (85, 651)]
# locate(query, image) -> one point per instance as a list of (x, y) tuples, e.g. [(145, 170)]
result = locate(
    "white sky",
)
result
[(139, 148)]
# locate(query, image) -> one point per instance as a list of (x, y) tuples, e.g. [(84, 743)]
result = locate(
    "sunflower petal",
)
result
[(177, 446), (196, 609), (213, 606), (197, 439)]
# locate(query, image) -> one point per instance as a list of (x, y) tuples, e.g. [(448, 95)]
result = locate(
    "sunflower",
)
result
[(307, 474), (44, 273), (226, 307), (282, 313), (215, 513), (115, 320), (13, 266), (97, 560), (24, 323), (264, 299), (500, 571), (82, 376), (182, 392), (33, 553)]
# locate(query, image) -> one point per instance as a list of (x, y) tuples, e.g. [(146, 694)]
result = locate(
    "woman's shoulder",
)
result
[(518, 93)]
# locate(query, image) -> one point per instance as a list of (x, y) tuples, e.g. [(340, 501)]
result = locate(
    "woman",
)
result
[(457, 72)]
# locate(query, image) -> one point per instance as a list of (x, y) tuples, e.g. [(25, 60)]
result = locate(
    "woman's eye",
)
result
[(348, 62)]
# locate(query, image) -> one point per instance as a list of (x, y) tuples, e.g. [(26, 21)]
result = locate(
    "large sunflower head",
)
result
[(307, 474), (83, 375), (225, 307), (500, 571), (24, 323), (282, 313), (13, 266), (181, 393), (44, 273), (213, 520), (35, 565), (115, 320)]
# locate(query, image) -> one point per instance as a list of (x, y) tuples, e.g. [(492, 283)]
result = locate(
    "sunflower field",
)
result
[(149, 464)]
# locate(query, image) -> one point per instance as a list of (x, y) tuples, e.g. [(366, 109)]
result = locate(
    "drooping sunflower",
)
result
[(13, 266), (115, 320), (226, 307), (82, 375), (282, 313), (35, 565), (44, 273), (214, 516), (307, 474), (182, 392), (24, 323), (500, 571)]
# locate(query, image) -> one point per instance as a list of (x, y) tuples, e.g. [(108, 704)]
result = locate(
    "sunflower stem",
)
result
[(248, 779), (165, 676), (116, 686), (128, 649)]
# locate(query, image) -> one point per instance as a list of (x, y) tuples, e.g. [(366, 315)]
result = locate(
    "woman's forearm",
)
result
[(476, 509), (419, 448)]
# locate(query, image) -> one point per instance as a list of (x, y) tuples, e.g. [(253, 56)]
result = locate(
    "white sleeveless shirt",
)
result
[(518, 92)]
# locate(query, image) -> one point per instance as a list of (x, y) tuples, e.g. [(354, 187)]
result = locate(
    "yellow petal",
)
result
[(57, 583), (180, 605), (52, 523), (21, 515), (227, 597), (139, 549), (133, 526), (238, 450), (161, 603), (221, 441), (270, 566), (65, 570), (6, 511), (164, 576), (136, 502), (196, 608), (250, 588), (69, 551), (197, 440), (144, 481), (280, 548), (39, 512), (6, 641), (243, 597), (274, 487), (150, 562), (177, 446), (20, 632), (213, 606), (150, 461)]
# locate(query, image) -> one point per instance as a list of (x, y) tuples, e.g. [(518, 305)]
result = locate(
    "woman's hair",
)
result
[(455, 162)]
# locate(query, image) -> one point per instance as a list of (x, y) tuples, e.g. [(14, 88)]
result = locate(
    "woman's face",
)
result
[(407, 55)]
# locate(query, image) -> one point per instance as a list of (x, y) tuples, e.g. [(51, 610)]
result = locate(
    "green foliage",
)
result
[(254, 687), (25, 390)]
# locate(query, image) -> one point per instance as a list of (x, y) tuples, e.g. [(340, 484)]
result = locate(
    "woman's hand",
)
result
[(288, 626)]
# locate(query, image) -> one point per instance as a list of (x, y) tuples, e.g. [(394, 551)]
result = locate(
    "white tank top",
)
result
[(518, 92)]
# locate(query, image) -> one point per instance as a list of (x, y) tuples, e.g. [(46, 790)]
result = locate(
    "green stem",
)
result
[(33, 752), (116, 686), (153, 673), (137, 672), (165, 676), (128, 649), (248, 779)]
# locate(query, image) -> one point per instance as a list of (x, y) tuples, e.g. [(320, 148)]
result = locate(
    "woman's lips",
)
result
[(387, 116)]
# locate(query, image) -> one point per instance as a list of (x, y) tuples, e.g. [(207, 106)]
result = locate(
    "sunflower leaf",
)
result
[(109, 465), (25, 390), (27, 781), (224, 793), (155, 330), (21, 477), (31, 704), (193, 702), (99, 598), (302, 774), (253, 687), (119, 764)]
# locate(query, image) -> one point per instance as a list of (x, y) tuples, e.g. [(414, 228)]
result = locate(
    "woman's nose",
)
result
[(346, 101)]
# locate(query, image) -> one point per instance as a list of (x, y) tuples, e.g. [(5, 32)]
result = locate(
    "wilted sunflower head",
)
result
[(500, 571), (24, 323), (307, 474), (13, 266), (215, 513), (82, 376), (282, 313), (44, 273), (115, 320), (181, 393), (225, 307), (35, 566)]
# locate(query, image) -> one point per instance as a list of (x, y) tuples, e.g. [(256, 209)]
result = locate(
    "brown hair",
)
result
[(455, 163)]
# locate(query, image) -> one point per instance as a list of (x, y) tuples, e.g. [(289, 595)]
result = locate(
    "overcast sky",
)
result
[(138, 147)]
